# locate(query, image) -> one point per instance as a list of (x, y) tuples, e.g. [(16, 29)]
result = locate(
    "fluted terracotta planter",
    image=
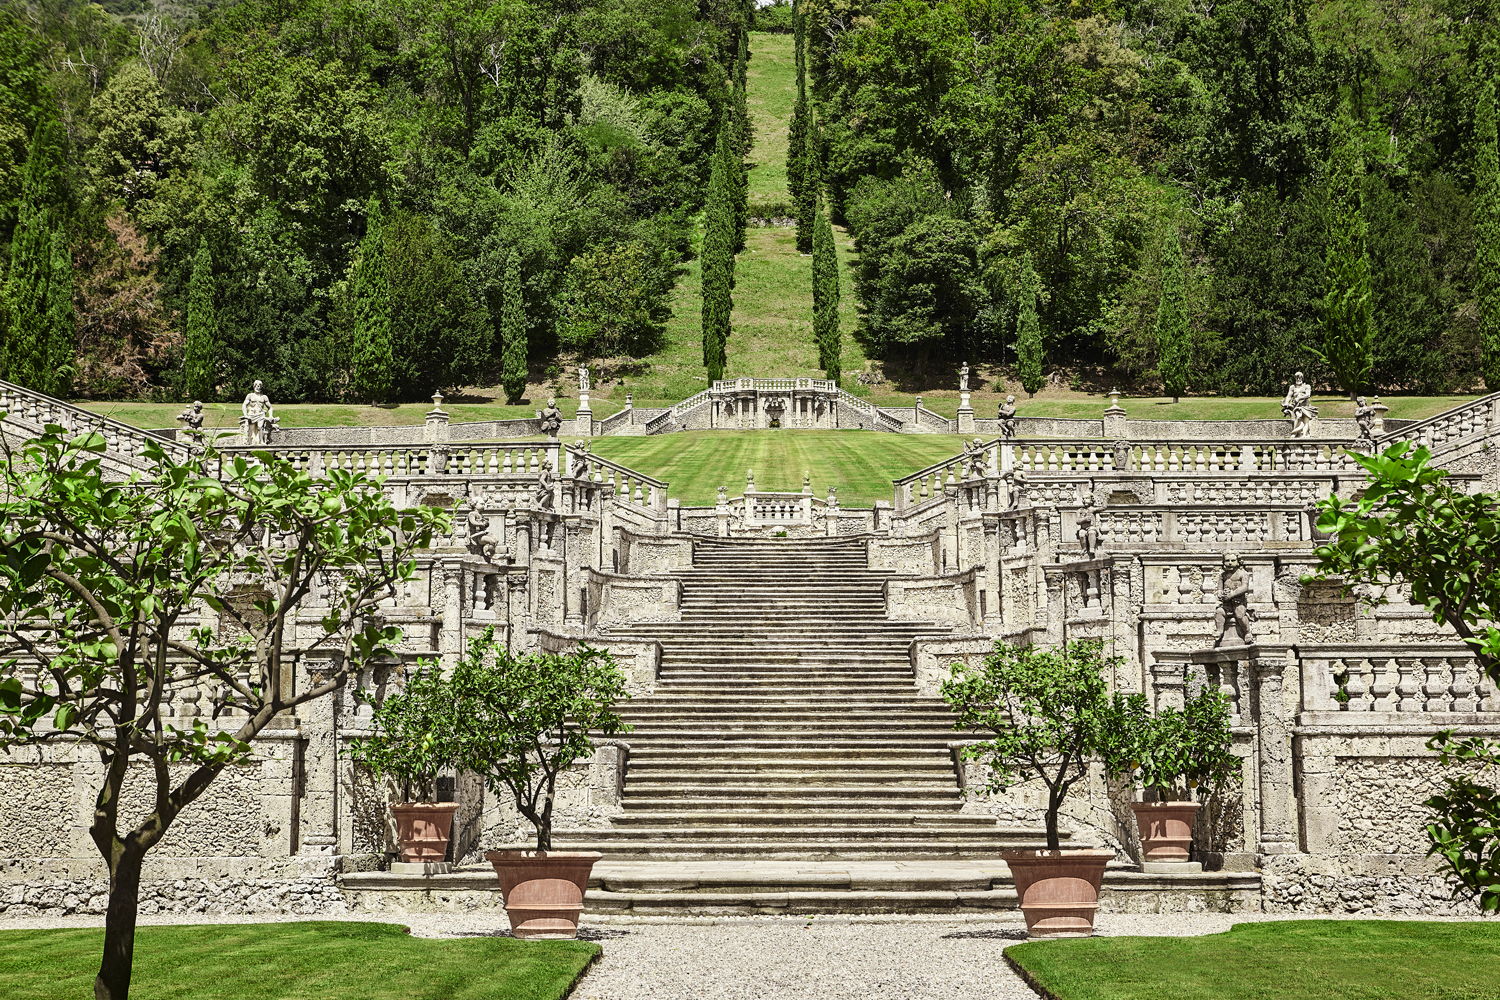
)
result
[(543, 890), (423, 829), (1059, 890), (1166, 829)]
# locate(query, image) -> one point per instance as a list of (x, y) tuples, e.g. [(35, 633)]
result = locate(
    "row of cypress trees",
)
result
[(726, 216), (38, 328)]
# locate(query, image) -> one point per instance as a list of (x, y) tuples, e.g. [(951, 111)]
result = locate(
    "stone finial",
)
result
[(1114, 417), (629, 401), (723, 497), (1114, 402), (437, 400), (807, 482), (749, 480)]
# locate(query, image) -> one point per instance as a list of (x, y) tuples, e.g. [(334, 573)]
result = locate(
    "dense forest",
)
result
[(350, 199), (1214, 193), (370, 199)]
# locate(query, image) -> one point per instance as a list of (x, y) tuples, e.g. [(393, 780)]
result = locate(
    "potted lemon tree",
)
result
[(527, 719), (413, 741), (1052, 717), (1172, 755)]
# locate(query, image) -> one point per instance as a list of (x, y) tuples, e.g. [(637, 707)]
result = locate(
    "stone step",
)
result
[(749, 828), (851, 799), (644, 711), (798, 756), (781, 783)]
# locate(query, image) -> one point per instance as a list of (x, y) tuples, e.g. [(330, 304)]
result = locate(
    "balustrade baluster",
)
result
[(1354, 685), (1463, 683), (1436, 684), (1381, 688)]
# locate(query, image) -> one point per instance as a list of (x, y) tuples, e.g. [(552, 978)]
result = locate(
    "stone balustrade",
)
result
[(1471, 421), (1397, 678)]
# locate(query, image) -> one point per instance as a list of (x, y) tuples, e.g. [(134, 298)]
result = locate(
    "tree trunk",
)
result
[(1175, 400), (1054, 842), (113, 981), (543, 837)]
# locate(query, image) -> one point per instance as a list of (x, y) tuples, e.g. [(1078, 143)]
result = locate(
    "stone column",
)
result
[(1277, 835), (319, 768), (452, 643)]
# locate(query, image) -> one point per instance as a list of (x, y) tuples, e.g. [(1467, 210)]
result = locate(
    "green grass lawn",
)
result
[(860, 463), (770, 94), (1285, 960), (315, 960)]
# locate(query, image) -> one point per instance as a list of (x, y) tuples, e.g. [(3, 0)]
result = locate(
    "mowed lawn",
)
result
[(1284, 960), (315, 960), (860, 463)]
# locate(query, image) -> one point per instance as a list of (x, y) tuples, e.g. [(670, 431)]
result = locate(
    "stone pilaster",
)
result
[(1277, 832)]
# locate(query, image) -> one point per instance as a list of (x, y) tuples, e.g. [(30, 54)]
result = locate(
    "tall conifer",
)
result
[(371, 358), (513, 332), (62, 323), (1486, 203), (24, 350), (202, 329), (825, 272), (718, 256), (1172, 320), (1029, 330), (1348, 309), (812, 184)]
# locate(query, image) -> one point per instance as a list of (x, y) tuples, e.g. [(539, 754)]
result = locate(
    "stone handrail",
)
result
[(1473, 419), (502, 458), (854, 402), (935, 422), (26, 406), (1395, 677), (628, 485), (620, 418), (775, 384)]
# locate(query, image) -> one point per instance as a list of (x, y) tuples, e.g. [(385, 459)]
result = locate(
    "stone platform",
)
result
[(758, 887)]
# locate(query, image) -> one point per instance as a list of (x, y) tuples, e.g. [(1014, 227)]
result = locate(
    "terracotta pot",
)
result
[(423, 828), (1166, 829), (1059, 890), (543, 890)]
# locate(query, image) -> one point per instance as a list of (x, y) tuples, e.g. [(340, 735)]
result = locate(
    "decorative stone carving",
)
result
[(578, 458), (975, 462), (481, 541), (1234, 611), (257, 421), (1121, 455), (191, 419), (544, 482), (1007, 417), (1015, 482), (583, 378), (1298, 406), (1364, 416), (1088, 532), (551, 419)]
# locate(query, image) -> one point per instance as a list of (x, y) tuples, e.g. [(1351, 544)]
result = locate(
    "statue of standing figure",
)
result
[(257, 421), (975, 461), (551, 419), (1088, 532), (192, 426), (963, 378), (1364, 416), (481, 542), (583, 378), (1235, 614), (1298, 406), (1007, 416)]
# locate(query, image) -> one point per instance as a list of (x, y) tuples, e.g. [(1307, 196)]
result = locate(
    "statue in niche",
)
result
[(963, 378), (1015, 482), (481, 541), (1364, 416), (1298, 406), (1088, 532), (1007, 417), (192, 426), (552, 418), (975, 462), (257, 422), (544, 482), (1235, 614)]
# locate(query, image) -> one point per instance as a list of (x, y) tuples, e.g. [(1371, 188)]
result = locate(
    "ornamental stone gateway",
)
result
[(753, 632)]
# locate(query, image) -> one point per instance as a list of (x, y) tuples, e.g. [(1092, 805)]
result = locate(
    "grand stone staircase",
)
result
[(786, 722)]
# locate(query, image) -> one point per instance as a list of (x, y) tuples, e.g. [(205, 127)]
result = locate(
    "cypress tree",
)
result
[(796, 140), (44, 192), (1029, 330), (371, 360), (825, 271), (1348, 312), (812, 183), (202, 329), (1172, 321), (62, 324), (513, 332), (718, 258), (1486, 203)]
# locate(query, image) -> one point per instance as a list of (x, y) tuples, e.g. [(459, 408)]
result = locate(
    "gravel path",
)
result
[(778, 958)]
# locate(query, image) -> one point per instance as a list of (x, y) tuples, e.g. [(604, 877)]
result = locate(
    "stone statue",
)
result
[(1121, 451), (192, 426), (583, 378), (1298, 406), (1364, 416), (551, 418), (481, 542), (1235, 613), (544, 481), (975, 462), (1007, 416), (1015, 481), (1088, 532), (578, 454), (963, 378), (257, 422)]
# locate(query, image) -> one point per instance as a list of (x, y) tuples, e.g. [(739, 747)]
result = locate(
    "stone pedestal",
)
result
[(1275, 765), (965, 414), (585, 421), (435, 427), (1114, 418)]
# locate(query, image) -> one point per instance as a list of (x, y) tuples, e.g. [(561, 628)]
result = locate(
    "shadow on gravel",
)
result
[(1002, 934)]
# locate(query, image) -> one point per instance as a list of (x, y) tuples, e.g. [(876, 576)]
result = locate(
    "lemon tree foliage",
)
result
[(116, 594), (528, 718), (1176, 751), (415, 730), (1410, 527)]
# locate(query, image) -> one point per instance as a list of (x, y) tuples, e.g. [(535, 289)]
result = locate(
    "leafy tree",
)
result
[(1487, 232), (513, 333), (825, 282), (527, 719), (202, 329), (372, 361), (440, 336), (1410, 528), (1347, 311), (616, 302), (116, 594), (61, 322), (1029, 331), (415, 733), (1174, 751), (1172, 344), (1050, 712)]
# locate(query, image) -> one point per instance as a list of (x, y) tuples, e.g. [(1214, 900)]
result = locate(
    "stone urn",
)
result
[(543, 890), (1059, 890), (423, 829), (1166, 829)]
